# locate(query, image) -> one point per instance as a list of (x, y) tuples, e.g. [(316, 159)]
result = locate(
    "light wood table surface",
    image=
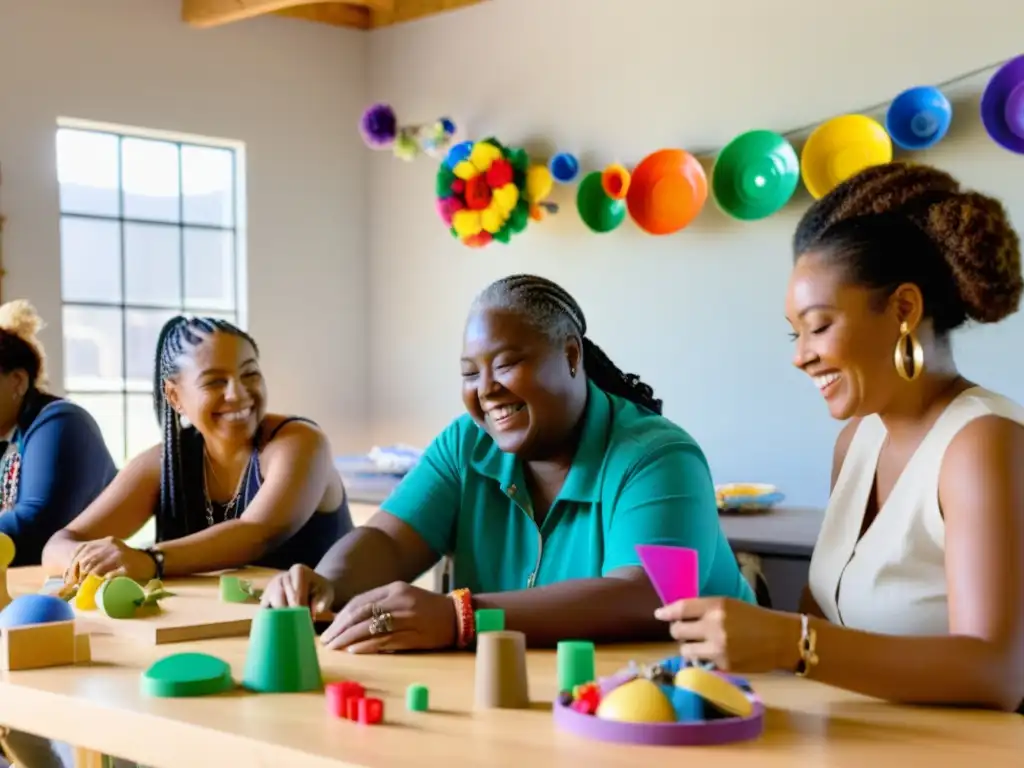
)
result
[(99, 707)]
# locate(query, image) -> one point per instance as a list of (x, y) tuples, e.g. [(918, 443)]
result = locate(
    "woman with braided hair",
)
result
[(917, 581), (230, 484), (541, 492)]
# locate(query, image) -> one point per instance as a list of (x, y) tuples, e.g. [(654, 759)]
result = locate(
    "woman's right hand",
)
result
[(299, 585)]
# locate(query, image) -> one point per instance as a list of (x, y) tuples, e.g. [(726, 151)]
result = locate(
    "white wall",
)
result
[(698, 314), (291, 91)]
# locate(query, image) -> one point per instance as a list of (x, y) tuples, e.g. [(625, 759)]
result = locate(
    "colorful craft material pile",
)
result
[(666, 703)]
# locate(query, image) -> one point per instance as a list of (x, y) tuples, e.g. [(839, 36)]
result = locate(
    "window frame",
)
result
[(183, 305)]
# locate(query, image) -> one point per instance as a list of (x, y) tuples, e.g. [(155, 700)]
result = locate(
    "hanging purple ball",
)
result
[(379, 126)]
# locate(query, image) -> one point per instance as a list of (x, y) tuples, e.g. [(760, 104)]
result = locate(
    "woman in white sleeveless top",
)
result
[(917, 580)]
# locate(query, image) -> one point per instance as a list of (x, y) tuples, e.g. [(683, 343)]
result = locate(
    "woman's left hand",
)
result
[(419, 620), (110, 556), (733, 635)]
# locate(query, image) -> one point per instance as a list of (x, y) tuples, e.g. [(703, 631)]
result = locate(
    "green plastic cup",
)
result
[(282, 652), (598, 211), (575, 661), (755, 175)]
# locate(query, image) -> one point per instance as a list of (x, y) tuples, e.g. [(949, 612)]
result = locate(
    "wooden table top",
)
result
[(99, 707)]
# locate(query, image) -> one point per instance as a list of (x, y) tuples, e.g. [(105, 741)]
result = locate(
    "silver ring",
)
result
[(382, 622)]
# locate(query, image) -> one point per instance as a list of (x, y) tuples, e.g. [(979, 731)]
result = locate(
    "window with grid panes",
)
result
[(149, 229)]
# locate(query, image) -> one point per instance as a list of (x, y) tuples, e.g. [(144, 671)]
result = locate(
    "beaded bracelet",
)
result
[(465, 621)]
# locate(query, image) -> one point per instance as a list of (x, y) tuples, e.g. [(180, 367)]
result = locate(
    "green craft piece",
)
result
[(120, 597), (490, 620), (417, 698), (598, 211), (153, 593), (282, 652), (519, 218), (443, 184), (187, 674), (237, 590), (518, 159), (503, 235), (575, 661)]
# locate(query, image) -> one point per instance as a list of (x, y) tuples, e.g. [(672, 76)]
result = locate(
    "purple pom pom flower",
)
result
[(379, 126)]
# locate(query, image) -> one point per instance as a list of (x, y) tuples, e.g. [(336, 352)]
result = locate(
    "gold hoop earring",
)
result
[(900, 354)]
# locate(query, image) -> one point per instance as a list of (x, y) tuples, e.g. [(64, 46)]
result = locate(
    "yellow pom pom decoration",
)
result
[(539, 183), (466, 223), (491, 219), (505, 198), (483, 155), (465, 170)]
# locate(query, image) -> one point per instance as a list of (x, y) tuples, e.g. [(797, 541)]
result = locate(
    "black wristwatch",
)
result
[(158, 560)]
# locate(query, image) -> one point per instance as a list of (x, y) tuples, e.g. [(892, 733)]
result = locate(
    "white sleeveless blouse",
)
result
[(894, 580)]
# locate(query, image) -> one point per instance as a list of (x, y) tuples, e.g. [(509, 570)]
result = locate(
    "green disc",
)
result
[(187, 674), (755, 175), (597, 210)]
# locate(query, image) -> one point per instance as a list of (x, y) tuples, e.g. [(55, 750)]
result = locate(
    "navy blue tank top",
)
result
[(306, 546)]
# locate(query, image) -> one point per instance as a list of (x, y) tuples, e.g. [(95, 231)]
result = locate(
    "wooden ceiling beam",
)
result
[(409, 10), (335, 14), (214, 13)]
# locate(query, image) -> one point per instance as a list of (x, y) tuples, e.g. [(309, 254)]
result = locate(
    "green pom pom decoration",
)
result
[(504, 234), (518, 159), (519, 218), (443, 183)]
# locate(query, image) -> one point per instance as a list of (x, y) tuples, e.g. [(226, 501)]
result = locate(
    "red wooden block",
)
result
[(338, 695), (352, 707), (371, 711)]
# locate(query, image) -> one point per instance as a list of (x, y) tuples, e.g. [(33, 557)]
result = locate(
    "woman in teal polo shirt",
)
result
[(540, 492)]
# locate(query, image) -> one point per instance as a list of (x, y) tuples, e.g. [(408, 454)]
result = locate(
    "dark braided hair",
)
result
[(551, 309), (182, 449)]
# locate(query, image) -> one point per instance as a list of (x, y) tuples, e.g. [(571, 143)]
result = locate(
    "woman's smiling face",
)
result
[(844, 341), (516, 382)]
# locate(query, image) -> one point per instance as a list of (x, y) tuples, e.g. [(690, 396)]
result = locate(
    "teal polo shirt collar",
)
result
[(581, 484)]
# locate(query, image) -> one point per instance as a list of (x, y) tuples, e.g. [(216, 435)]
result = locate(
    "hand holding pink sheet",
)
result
[(672, 570)]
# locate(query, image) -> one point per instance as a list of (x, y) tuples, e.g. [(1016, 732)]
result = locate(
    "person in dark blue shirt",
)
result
[(230, 484), (53, 460), (53, 464)]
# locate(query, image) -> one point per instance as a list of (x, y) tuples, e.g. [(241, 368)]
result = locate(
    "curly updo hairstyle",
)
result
[(905, 223)]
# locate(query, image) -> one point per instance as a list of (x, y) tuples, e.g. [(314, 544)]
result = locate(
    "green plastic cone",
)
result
[(282, 652)]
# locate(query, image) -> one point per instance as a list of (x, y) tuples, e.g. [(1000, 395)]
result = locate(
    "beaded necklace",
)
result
[(10, 474)]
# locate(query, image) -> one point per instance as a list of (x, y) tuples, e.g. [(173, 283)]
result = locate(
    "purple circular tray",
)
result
[(701, 734)]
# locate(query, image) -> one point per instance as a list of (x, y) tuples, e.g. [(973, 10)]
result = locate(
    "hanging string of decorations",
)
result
[(487, 192)]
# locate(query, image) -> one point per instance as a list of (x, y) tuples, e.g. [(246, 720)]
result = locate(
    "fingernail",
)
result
[(659, 613)]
